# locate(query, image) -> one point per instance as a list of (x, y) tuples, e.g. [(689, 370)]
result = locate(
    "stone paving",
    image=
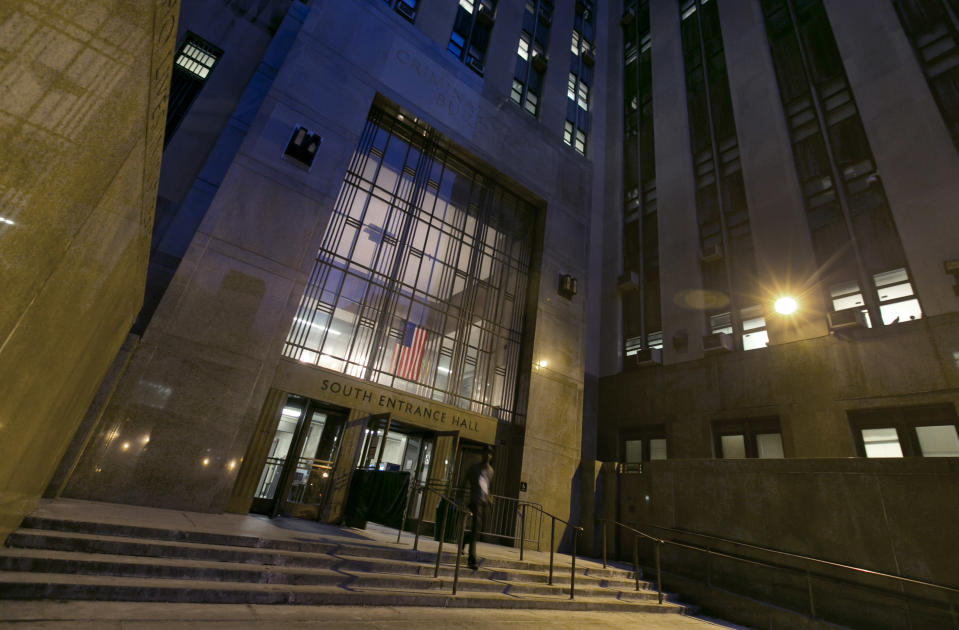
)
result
[(148, 616)]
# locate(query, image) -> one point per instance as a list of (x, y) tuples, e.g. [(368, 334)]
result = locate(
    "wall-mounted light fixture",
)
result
[(567, 286), (302, 146)]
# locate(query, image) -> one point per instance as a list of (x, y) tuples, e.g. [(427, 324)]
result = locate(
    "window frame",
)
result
[(749, 428), (902, 419), (645, 433)]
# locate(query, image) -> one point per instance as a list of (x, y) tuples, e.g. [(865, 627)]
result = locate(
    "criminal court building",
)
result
[(656, 234)]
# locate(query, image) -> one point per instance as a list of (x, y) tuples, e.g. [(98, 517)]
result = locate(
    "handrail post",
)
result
[(419, 521), (812, 602), (459, 545), (522, 531), (659, 575), (552, 530), (406, 511), (439, 549), (572, 571), (636, 559), (603, 521)]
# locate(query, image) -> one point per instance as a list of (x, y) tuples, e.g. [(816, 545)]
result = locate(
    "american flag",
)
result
[(408, 356)]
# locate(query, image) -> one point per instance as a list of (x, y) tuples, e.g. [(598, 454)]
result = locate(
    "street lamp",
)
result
[(786, 305)]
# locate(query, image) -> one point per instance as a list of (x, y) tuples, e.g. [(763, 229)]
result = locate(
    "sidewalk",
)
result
[(138, 616)]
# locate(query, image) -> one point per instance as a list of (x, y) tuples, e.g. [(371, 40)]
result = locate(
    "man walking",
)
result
[(479, 476)]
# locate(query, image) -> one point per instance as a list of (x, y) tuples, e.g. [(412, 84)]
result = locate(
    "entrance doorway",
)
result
[(296, 476), (393, 446)]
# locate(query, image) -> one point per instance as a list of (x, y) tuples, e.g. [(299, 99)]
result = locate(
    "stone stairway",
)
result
[(60, 559)]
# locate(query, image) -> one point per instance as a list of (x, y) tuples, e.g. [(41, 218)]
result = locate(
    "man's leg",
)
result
[(479, 518), (473, 524)]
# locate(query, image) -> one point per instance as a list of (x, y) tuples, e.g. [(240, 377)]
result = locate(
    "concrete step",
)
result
[(17, 585), (51, 558), (61, 552), (314, 554), (345, 574)]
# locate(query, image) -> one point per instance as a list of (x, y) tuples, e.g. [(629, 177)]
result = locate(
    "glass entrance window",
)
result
[(420, 283)]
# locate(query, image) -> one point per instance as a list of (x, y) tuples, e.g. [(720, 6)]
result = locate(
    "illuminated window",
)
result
[(416, 286), (921, 431), (643, 444), (471, 32), (191, 67), (750, 437), (531, 55)]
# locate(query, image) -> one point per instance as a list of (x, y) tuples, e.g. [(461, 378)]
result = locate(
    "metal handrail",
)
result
[(439, 549), (796, 556), (659, 543), (808, 559), (552, 533)]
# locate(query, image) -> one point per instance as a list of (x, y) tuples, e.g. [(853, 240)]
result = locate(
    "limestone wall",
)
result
[(83, 95)]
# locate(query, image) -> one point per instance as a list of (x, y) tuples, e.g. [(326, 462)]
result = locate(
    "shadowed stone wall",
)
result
[(83, 95)]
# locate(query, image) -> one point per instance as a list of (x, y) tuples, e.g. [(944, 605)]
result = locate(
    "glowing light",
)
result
[(231, 465), (786, 305), (206, 461), (7, 221), (125, 445), (542, 363), (325, 475), (145, 439)]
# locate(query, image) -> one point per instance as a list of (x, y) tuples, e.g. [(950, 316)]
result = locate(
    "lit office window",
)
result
[(754, 328), (644, 444), (897, 301), (471, 32), (583, 57), (641, 308), (920, 431), (882, 442), (191, 67), (725, 239), (531, 55), (751, 437), (842, 189), (420, 283)]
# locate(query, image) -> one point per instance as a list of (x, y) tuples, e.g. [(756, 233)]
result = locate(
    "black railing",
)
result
[(809, 562), (552, 534), (636, 536)]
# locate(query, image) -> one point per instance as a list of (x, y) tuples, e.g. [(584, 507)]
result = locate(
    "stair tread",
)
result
[(532, 569), (466, 577), (22, 578)]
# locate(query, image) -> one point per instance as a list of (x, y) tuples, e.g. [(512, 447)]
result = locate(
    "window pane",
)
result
[(754, 340), (881, 443), (634, 451), (733, 446), (900, 312), (657, 449), (938, 441), (769, 446)]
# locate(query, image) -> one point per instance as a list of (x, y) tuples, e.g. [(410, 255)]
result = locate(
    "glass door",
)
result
[(298, 470)]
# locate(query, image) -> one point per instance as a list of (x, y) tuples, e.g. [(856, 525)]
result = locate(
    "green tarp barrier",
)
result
[(378, 496)]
